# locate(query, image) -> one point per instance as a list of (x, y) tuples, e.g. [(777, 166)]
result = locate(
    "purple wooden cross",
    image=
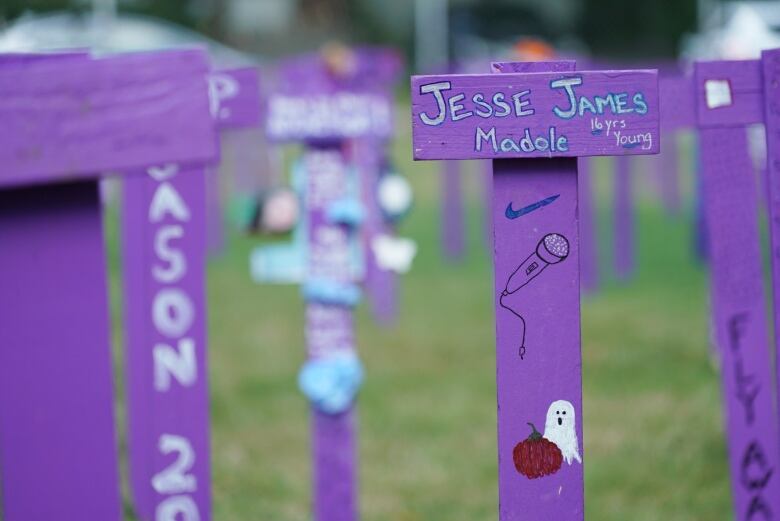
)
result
[(165, 219), (729, 96), (534, 125), (341, 118), (65, 119)]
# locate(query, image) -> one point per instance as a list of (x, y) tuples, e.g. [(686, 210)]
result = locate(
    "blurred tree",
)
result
[(619, 28), (10, 9)]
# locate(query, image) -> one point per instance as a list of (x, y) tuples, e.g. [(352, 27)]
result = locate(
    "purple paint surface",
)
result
[(329, 329), (381, 285), (669, 165), (624, 250), (771, 70), (215, 226), (589, 262), (729, 93), (235, 97), (57, 441), (738, 301), (163, 252), (74, 117), (453, 233), (731, 211), (678, 102), (550, 309), (538, 333), (535, 115)]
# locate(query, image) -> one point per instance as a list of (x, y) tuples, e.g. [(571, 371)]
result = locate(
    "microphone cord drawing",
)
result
[(553, 248)]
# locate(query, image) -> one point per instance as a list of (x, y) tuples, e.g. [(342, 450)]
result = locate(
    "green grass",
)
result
[(653, 443)]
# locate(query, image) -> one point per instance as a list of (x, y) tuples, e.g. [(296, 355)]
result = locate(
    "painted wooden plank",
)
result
[(535, 115), (58, 440), (731, 212), (163, 252), (330, 330), (538, 374), (340, 115), (453, 232), (729, 93), (235, 97), (624, 221), (76, 118)]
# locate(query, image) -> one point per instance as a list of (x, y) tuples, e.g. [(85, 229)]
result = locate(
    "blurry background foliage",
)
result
[(608, 28)]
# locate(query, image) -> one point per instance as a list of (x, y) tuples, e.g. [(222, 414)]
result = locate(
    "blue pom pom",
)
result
[(347, 211), (331, 292), (332, 382)]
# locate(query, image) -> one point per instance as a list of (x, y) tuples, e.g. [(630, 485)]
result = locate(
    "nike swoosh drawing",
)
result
[(514, 214)]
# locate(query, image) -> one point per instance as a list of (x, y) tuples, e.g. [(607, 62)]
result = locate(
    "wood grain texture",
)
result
[(731, 213), (75, 118), (538, 361), (533, 115)]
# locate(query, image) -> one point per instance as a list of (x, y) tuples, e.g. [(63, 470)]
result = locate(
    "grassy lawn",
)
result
[(653, 443)]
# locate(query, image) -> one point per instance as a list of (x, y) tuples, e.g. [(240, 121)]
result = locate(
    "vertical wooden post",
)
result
[(381, 284), (166, 230), (669, 163), (728, 96), (452, 216), (588, 213), (624, 219), (57, 441), (164, 275), (771, 86), (329, 331), (67, 120), (333, 102), (534, 141), (550, 235)]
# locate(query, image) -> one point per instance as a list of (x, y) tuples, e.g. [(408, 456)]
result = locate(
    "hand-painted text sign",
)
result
[(235, 97), (535, 115), (71, 118), (337, 115)]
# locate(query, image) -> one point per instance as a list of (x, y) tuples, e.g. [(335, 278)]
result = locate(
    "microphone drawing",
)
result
[(552, 249)]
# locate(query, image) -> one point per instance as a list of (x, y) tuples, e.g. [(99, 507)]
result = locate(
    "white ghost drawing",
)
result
[(560, 428)]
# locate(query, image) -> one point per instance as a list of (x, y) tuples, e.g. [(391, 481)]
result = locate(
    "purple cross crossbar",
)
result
[(534, 120), (235, 105), (66, 119)]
